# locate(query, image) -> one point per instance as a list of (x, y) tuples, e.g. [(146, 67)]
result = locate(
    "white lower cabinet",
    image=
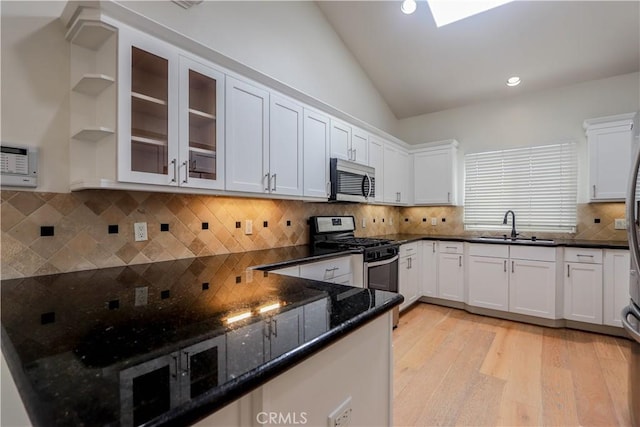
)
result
[(615, 285), (409, 274), (488, 276), (450, 271), (583, 285), (532, 281), (429, 269)]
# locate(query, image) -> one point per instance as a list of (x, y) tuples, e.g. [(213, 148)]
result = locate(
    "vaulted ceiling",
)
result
[(419, 68)]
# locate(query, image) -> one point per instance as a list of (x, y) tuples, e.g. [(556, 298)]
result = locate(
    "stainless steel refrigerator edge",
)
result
[(631, 313)]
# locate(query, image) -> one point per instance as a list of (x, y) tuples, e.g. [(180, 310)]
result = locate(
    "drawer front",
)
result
[(495, 251), (326, 270), (408, 249), (584, 255), (533, 253), (451, 247)]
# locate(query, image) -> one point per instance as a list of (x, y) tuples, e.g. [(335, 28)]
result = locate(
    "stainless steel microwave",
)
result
[(351, 182)]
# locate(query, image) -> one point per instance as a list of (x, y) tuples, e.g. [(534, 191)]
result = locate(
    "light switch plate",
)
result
[(434, 221), (364, 222), (248, 227)]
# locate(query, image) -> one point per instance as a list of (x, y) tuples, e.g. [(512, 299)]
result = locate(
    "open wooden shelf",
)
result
[(93, 134), (200, 118), (93, 84), (211, 153)]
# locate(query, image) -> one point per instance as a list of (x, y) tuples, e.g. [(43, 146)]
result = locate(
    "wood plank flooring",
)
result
[(456, 368)]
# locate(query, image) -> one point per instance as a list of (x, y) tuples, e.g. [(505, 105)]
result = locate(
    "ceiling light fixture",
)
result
[(513, 81), (408, 7)]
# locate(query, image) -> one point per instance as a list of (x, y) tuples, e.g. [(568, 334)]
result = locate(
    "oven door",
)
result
[(382, 275)]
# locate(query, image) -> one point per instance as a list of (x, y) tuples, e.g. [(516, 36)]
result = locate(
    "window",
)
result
[(538, 183)]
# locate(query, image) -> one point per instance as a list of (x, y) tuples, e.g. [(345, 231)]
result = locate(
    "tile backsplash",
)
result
[(595, 222), (44, 233)]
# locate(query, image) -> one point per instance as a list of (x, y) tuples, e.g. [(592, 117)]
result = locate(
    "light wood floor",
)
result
[(455, 368)]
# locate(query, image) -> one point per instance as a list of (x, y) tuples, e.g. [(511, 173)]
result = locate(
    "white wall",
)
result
[(290, 41), (35, 86), (529, 119)]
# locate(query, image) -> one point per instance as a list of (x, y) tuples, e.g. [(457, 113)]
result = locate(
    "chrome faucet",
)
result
[(513, 223)]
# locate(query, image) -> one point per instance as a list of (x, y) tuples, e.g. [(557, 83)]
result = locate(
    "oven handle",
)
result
[(383, 262)]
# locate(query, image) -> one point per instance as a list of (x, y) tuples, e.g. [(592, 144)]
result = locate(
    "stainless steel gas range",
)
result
[(380, 255)]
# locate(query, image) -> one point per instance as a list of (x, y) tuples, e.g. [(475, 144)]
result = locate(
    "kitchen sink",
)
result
[(509, 240)]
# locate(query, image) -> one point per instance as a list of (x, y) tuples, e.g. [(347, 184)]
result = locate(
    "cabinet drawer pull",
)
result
[(587, 256), (451, 247)]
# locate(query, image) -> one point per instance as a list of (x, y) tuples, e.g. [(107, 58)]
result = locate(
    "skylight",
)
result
[(447, 11)]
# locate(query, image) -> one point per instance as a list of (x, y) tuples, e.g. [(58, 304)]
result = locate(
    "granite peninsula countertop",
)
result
[(153, 343)]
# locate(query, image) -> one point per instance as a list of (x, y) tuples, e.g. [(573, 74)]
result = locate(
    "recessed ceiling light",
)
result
[(513, 81), (408, 7), (447, 11)]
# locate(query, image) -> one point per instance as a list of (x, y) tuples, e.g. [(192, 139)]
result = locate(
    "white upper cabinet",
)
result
[(610, 140), (247, 142), (285, 146), (348, 143), (147, 110), (201, 126), (435, 174), (376, 161), (316, 154), (170, 115), (396, 175), (359, 146)]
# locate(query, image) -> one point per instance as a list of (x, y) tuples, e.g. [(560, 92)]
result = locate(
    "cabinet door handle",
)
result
[(409, 263), (434, 247), (175, 170), (349, 155), (267, 328), (568, 270), (594, 190), (505, 265), (174, 371), (274, 182), (186, 172), (275, 328), (185, 371), (268, 178), (460, 261), (355, 155), (449, 197), (513, 266), (328, 188)]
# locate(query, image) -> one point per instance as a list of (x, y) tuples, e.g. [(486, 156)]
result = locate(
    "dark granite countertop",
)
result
[(153, 343), (597, 244)]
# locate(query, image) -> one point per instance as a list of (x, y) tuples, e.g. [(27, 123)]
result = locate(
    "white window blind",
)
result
[(538, 183)]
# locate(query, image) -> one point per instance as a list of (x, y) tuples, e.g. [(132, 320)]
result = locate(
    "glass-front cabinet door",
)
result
[(201, 125), (170, 115), (147, 105)]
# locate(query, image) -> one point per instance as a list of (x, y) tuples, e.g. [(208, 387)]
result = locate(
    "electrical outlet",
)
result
[(248, 227), (364, 222), (620, 224), (141, 296), (341, 416), (434, 221), (140, 231)]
